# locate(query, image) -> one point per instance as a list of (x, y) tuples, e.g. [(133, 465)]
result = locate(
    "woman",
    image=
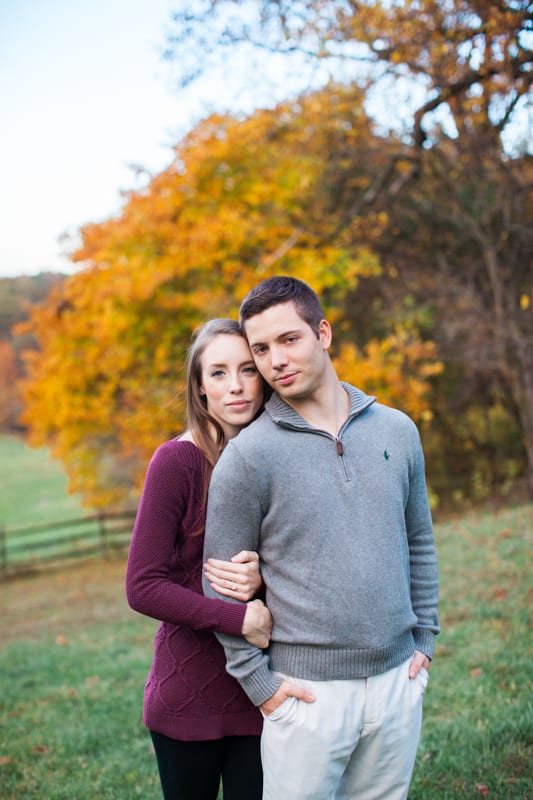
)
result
[(203, 726)]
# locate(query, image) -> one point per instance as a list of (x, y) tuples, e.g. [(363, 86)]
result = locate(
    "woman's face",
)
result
[(231, 383)]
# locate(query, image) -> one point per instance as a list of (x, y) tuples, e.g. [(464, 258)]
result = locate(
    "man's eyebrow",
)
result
[(279, 336)]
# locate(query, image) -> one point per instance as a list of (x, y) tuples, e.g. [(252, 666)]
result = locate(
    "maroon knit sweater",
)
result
[(188, 694)]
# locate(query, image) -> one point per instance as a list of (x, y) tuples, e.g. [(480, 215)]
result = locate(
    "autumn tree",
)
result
[(412, 224), (455, 182), (16, 295), (447, 53), (242, 200)]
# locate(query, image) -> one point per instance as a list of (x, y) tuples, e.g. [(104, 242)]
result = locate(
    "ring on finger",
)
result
[(233, 586)]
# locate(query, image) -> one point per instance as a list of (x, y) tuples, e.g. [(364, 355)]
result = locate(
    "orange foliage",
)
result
[(396, 369), (243, 199)]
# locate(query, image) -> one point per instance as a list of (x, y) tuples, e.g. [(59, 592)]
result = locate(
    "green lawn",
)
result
[(72, 668), (33, 487), (478, 725), (74, 658)]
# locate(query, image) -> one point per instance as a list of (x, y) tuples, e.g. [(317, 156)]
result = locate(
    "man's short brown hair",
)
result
[(283, 289)]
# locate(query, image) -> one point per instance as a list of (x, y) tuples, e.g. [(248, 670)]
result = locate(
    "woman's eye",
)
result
[(217, 373), (250, 370)]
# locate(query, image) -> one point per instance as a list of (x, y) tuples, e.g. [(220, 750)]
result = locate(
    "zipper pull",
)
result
[(340, 448)]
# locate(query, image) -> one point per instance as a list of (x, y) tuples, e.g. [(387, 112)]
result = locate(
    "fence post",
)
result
[(3, 548), (103, 534)]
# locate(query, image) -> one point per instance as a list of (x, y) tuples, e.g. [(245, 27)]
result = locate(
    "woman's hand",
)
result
[(239, 578), (257, 625)]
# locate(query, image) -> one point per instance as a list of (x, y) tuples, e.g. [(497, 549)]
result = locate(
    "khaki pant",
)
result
[(357, 740)]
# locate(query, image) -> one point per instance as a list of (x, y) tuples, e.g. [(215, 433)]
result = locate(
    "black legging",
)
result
[(193, 770)]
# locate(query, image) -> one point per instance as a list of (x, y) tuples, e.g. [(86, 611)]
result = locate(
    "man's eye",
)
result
[(259, 351)]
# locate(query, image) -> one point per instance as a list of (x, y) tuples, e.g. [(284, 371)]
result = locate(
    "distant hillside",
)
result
[(17, 293)]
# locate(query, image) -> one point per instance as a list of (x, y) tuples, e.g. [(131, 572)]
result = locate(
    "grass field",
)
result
[(34, 486), (74, 658), (39, 521)]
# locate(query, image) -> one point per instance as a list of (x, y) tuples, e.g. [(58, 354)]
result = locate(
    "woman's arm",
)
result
[(174, 482)]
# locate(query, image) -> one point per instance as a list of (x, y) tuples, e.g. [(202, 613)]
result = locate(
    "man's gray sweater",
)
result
[(345, 538)]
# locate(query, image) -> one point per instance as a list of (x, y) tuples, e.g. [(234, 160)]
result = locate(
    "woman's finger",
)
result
[(225, 577), (223, 566), (227, 591), (230, 582), (244, 556)]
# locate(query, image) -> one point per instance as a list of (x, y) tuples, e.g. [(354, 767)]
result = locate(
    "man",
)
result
[(329, 487)]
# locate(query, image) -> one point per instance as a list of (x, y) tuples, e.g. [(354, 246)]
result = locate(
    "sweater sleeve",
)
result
[(233, 523), (422, 555), (173, 492)]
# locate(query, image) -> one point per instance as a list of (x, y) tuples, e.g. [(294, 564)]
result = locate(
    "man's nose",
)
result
[(278, 358)]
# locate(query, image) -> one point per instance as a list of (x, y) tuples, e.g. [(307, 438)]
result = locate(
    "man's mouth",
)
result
[(286, 379)]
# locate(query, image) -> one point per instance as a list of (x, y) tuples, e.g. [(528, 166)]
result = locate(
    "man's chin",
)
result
[(288, 393)]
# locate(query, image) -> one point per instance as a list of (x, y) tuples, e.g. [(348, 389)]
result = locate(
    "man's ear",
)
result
[(325, 334)]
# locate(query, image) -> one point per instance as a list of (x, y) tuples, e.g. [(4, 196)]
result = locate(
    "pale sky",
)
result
[(84, 92)]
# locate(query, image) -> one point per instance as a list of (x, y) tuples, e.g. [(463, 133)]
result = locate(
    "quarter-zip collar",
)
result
[(283, 414)]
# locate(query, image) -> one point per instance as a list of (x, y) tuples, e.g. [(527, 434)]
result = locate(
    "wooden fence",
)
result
[(101, 535)]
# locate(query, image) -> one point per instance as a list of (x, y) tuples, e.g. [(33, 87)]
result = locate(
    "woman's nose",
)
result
[(235, 384)]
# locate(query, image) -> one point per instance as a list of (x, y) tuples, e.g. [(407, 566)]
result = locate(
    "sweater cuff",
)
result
[(261, 685), (424, 641), (231, 618)]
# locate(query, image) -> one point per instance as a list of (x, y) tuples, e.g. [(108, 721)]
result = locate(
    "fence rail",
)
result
[(100, 534)]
